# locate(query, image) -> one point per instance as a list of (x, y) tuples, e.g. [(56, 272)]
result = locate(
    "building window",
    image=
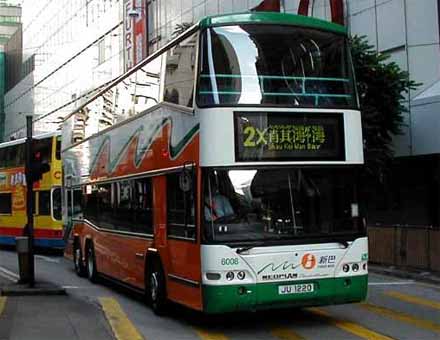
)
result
[(6, 203), (101, 51)]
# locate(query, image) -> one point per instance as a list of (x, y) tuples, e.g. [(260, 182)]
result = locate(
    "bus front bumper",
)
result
[(250, 297)]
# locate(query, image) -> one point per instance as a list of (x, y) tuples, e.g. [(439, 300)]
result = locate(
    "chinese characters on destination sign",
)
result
[(288, 136)]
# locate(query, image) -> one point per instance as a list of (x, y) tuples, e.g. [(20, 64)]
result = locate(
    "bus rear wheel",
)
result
[(156, 289), (78, 263), (92, 271)]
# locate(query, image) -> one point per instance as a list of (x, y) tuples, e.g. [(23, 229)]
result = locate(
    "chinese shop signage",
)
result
[(288, 136)]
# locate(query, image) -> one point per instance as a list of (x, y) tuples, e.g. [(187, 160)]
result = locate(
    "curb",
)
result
[(423, 277), (38, 290)]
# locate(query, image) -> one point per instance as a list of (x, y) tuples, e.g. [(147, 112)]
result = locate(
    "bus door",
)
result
[(183, 249)]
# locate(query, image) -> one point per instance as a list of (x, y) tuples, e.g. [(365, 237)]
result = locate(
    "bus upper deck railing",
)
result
[(303, 85)]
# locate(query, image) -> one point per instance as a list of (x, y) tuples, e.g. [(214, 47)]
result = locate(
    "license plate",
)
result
[(296, 289)]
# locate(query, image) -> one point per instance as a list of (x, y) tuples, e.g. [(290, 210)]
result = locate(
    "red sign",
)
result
[(135, 32)]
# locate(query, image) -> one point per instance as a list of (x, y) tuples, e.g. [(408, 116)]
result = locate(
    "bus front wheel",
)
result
[(92, 272), (157, 290)]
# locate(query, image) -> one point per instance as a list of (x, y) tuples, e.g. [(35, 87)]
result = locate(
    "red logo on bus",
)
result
[(308, 261)]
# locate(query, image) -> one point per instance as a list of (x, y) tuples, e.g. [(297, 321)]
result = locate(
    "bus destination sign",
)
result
[(288, 136)]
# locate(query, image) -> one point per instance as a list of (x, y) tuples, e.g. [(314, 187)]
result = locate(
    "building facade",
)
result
[(10, 18), (70, 48)]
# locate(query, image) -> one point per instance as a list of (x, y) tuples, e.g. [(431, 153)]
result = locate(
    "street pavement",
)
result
[(48, 316), (396, 308)]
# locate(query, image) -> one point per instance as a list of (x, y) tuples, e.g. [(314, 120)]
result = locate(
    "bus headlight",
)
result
[(241, 275), (346, 268), (229, 276), (355, 267)]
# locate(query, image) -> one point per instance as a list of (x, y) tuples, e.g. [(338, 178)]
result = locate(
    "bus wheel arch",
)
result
[(91, 269), (155, 284)]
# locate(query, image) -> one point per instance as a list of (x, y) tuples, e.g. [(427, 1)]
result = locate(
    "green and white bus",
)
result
[(237, 188)]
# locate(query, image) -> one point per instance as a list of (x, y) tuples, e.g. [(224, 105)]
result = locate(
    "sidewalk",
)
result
[(422, 276), (50, 317)]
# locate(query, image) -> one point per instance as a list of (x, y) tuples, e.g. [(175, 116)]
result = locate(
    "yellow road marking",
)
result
[(286, 334), (2, 304), (205, 335), (122, 327), (413, 299), (350, 327), (402, 317)]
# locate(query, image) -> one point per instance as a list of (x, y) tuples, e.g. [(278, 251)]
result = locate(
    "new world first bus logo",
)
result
[(308, 261)]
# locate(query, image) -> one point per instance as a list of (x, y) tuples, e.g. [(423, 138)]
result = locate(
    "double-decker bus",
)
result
[(235, 188), (48, 226)]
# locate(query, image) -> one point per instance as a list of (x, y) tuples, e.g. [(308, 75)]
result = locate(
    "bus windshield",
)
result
[(279, 204), (275, 65)]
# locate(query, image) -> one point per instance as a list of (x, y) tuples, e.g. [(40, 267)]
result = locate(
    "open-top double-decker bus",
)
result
[(232, 184), (48, 226)]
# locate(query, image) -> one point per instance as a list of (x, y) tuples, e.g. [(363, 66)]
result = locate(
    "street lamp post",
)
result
[(30, 200)]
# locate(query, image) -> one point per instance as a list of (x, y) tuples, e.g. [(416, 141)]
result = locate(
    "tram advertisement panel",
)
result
[(288, 136)]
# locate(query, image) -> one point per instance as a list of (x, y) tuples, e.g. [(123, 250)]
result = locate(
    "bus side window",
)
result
[(179, 72), (58, 148), (2, 158), (68, 195), (56, 204), (44, 203), (143, 206), (105, 206), (20, 155), (12, 156), (180, 209), (6, 203), (133, 212), (90, 200), (43, 148), (123, 217), (77, 204)]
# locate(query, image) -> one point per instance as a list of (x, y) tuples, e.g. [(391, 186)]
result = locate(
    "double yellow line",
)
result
[(286, 334), (403, 317), (413, 299), (399, 316), (349, 326), (122, 327)]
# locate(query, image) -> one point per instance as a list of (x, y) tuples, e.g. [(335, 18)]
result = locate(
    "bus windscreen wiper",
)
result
[(244, 249)]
